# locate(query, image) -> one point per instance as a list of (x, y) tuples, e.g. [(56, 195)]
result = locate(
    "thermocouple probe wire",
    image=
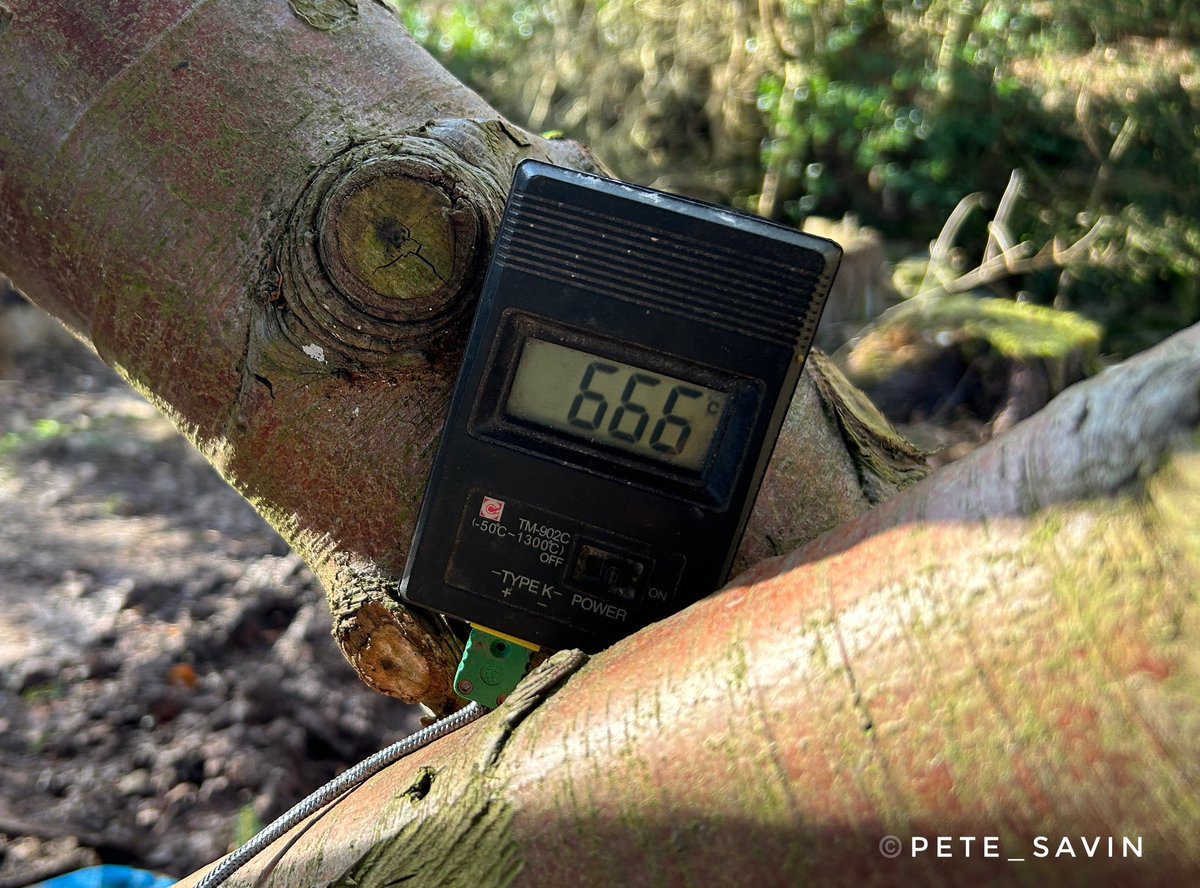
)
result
[(338, 787)]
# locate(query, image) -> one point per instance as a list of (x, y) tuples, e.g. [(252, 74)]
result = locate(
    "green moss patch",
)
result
[(1015, 330)]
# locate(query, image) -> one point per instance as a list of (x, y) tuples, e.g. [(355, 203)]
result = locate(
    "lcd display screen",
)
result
[(609, 402)]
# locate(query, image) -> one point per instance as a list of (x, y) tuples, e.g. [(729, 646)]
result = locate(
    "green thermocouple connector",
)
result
[(492, 663)]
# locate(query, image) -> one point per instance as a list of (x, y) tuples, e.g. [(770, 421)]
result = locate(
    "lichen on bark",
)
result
[(326, 15)]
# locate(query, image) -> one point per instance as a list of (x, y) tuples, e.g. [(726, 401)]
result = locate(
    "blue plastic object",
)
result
[(108, 876)]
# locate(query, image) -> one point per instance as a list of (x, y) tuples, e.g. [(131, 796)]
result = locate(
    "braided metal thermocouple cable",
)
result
[(336, 788)]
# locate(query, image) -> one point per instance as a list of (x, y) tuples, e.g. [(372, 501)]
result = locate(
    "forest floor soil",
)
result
[(168, 681)]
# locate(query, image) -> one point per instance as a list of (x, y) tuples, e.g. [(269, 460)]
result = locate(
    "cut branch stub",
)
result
[(393, 241), (383, 252)]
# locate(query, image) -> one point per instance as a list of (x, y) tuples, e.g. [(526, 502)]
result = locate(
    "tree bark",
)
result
[(1005, 650)]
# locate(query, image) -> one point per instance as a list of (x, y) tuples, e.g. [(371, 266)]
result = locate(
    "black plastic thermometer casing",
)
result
[(629, 367)]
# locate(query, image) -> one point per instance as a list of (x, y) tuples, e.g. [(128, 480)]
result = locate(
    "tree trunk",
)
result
[(273, 220), (1005, 653)]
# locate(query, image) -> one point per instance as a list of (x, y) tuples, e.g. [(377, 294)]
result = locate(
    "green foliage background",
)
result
[(890, 109)]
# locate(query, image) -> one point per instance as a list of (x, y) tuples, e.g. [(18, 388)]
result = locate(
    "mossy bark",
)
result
[(946, 665), (273, 219), (947, 353)]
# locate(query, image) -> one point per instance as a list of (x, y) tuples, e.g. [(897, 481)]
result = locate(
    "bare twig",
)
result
[(1002, 257), (999, 238), (1106, 159), (939, 250), (1018, 261)]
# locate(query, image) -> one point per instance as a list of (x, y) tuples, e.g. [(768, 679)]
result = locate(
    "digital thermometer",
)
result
[(631, 361)]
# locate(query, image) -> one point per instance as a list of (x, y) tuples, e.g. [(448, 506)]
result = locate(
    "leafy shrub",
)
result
[(891, 109)]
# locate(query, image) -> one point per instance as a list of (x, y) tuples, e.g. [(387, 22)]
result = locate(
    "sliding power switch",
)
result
[(608, 573)]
